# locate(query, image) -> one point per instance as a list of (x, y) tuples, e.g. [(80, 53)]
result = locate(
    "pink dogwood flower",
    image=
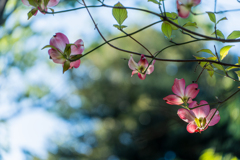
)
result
[(41, 5), (184, 7), (140, 67), (199, 118), (182, 95), (62, 52)]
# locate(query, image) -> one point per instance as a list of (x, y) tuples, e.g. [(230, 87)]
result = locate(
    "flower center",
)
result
[(141, 69), (200, 122)]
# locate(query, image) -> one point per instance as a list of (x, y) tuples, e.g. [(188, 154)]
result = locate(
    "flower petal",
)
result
[(134, 72), (185, 1), (52, 3), (141, 76), (179, 87), (151, 68), (196, 2), (56, 56), (185, 115), (191, 90), (143, 62), (192, 128), (79, 49), (183, 11), (132, 64), (173, 100), (75, 64), (59, 41), (201, 112), (25, 2), (215, 119)]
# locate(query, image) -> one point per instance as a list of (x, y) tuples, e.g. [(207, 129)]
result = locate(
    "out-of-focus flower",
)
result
[(184, 7), (182, 95), (41, 5), (140, 67), (64, 53), (198, 118)]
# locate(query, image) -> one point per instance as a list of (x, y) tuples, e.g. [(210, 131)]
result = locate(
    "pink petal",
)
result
[(185, 1), (179, 87), (59, 41), (25, 2), (173, 100), (192, 128), (151, 68), (79, 49), (196, 2), (191, 90), (143, 62), (201, 112), (134, 72), (52, 3), (141, 76), (193, 104), (183, 11), (132, 64), (75, 64), (215, 119), (185, 115), (56, 56)]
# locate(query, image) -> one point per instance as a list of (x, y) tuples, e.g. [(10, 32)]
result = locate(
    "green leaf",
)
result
[(210, 73), (212, 17), (167, 29), (218, 66), (50, 46), (154, 1), (119, 27), (224, 18), (212, 58), (224, 51), (75, 57), (33, 3), (219, 34), (66, 66), (238, 60), (202, 64), (32, 12), (120, 14), (232, 67), (207, 51), (173, 17), (234, 35), (46, 3), (67, 50), (190, 24), (238, 74), (52, 10)]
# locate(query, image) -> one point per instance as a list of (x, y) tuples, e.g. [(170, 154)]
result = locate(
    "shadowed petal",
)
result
[(132, 64), (196, 2), (192, 128), (179, 87), (151, 68), (25, 2), (215, 119), (191, 90), (52, 3), (59, 41), (56, 56), (143, 62), (141, 76), (173, 100), (79, 49), (202, 111), (185, 115), (75, 64), (134, 72), (183, 11)]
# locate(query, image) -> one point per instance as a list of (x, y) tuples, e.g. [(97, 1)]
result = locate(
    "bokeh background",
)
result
[(98, 111)]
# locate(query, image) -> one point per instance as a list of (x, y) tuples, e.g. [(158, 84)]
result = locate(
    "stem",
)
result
[(201, 72)]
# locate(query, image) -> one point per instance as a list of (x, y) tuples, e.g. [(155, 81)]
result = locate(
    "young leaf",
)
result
[(32, 12), (238, 60), (234, 35), (212, 17), (232, 67), (120, 14), (238, 74), (219, 34), (207, 51), (191, 24), (224, 18), (167, 29), (224, 51), (210, 73), (52, 10), (154, 1), (33, 3), (66, 66), (119, 27), (46, 3), (218, 66), (173, 17)]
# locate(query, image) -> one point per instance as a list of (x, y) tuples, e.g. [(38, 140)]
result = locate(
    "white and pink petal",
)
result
[(192, 127), (191, 90), (143, 62), (141, 76), (179, 87), (203, 111), (59, 41), (77, 48), (151, 68), (132, 64), (173, 100), (185, 115), (52, 3), (215, 119)]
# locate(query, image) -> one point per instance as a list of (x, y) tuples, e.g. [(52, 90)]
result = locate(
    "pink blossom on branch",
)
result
[(199, 118), (62, 51), (140, 67), (182, 95), (184, 7)]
